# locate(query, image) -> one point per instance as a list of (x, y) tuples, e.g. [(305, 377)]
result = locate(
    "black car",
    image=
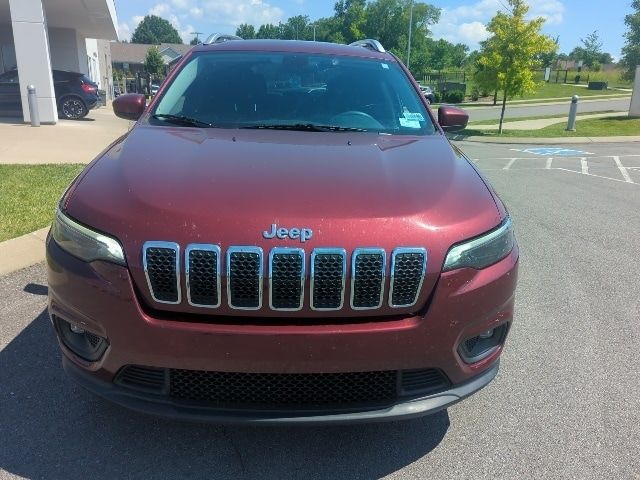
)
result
[(428, 93), (75, 93)]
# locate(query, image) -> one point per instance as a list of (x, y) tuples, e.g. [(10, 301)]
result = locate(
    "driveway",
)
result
[(566, 403)]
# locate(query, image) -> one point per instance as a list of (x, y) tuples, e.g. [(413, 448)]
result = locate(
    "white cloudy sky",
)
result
[(461, 20)]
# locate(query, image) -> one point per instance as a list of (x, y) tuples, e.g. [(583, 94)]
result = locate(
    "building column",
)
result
[(33, 57), (634, 110)]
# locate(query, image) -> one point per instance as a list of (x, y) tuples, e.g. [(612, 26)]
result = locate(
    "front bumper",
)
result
[(101, 299), (153, 405)]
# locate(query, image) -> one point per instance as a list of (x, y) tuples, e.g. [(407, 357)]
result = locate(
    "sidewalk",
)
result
[(545, 141), (22, 252), (70, 141), (539, 123)]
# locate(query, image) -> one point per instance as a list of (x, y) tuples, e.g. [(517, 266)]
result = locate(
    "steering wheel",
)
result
[(356, 118)]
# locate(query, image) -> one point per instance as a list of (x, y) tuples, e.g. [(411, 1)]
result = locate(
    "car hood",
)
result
[(228, 186)]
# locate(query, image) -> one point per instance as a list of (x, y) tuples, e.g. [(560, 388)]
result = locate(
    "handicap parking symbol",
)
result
[(554, 152)]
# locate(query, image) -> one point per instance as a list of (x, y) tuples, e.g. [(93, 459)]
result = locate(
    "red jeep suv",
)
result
[(284, 236)]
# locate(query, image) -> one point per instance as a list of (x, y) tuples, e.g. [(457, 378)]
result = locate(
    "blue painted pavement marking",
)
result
[(554, 152)]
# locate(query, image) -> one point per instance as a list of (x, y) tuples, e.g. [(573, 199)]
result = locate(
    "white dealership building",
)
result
[(37, 36)]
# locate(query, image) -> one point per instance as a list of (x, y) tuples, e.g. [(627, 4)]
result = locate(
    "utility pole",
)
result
[(196, 34), (314, 32), (409, 42)]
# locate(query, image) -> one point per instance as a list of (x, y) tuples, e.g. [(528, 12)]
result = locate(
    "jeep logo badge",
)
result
[(303, 234)]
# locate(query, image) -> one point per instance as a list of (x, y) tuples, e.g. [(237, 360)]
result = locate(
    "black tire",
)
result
[(73, 108)]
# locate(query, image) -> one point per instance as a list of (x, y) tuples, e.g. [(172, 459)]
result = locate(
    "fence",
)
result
[(557, 76)]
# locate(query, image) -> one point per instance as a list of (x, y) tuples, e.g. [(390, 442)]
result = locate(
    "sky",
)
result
[(461, 21)]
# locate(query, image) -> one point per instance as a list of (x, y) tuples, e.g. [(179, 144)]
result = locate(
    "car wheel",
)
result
[(73, 108)]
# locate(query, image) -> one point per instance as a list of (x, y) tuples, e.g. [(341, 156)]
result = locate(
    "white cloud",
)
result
[(124, 32), (467, 23), (233, 13), (219, 15), (196, 12), (160, 9), (181, 4)]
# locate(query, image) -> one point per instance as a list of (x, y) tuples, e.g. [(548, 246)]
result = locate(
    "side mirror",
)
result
[(129, 106), (452, 119)]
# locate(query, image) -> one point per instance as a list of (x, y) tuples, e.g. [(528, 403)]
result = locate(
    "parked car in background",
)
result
[(428, 93), (154, 88), (75, 93)]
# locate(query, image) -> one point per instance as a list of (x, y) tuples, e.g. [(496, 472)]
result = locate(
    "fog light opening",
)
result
[(477, 348), (487, 334), (81, 342), (76, 329)]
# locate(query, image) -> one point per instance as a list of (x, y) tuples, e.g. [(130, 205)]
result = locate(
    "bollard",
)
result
[(33, 106), (573, 112)]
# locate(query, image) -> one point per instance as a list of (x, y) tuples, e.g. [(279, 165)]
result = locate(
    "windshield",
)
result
[(292, 90)]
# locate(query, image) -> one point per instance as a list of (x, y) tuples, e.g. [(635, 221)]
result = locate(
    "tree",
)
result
[(590, 51), (268, 30), (548, 59), (631, 50), (512, 51), (246, 31), (153, 62), (155, 30)]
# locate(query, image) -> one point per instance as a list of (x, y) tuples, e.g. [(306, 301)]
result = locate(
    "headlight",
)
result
[(85, 243), (482, 251)]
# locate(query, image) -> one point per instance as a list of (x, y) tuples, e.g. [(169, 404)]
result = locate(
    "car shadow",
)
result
[(51, 428)]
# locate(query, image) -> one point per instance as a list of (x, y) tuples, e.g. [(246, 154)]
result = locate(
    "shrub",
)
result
[(455, 97), (437, 97), (475, 94)]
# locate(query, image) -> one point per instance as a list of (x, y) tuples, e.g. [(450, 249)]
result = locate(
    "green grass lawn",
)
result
[(596, 127), (535, 117), (557, 90), (29, 196)]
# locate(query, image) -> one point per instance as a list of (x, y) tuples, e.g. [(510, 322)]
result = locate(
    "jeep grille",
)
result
[(287, 268)]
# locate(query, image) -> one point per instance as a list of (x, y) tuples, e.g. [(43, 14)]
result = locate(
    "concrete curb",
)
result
[(545, 141), (21, 252)]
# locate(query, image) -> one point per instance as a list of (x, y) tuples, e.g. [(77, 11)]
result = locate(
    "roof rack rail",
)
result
[(369, 43), (220, 38)]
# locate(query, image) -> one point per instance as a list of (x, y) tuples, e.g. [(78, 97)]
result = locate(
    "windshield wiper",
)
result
[(305, 127), (181, 120)]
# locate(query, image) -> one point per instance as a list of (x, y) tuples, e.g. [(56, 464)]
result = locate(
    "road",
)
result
[(566, 403), (516, 111)]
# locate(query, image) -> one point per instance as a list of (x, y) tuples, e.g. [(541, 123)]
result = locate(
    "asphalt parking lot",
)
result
[(566, 403)]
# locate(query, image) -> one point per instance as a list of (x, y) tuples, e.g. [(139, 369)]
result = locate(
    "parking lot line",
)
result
[(549, 161), (508, 165), (622, 169), (592, 175), (584, 165)]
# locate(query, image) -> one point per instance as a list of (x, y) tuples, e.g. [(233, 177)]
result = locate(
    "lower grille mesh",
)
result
[(288, 390), (275, 390)]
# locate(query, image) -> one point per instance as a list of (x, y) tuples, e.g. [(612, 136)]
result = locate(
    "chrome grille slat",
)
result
[(367, 278), (408, 267), (161, 263), (202, 273), (286, 279), (328, 272), (244, 278)]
